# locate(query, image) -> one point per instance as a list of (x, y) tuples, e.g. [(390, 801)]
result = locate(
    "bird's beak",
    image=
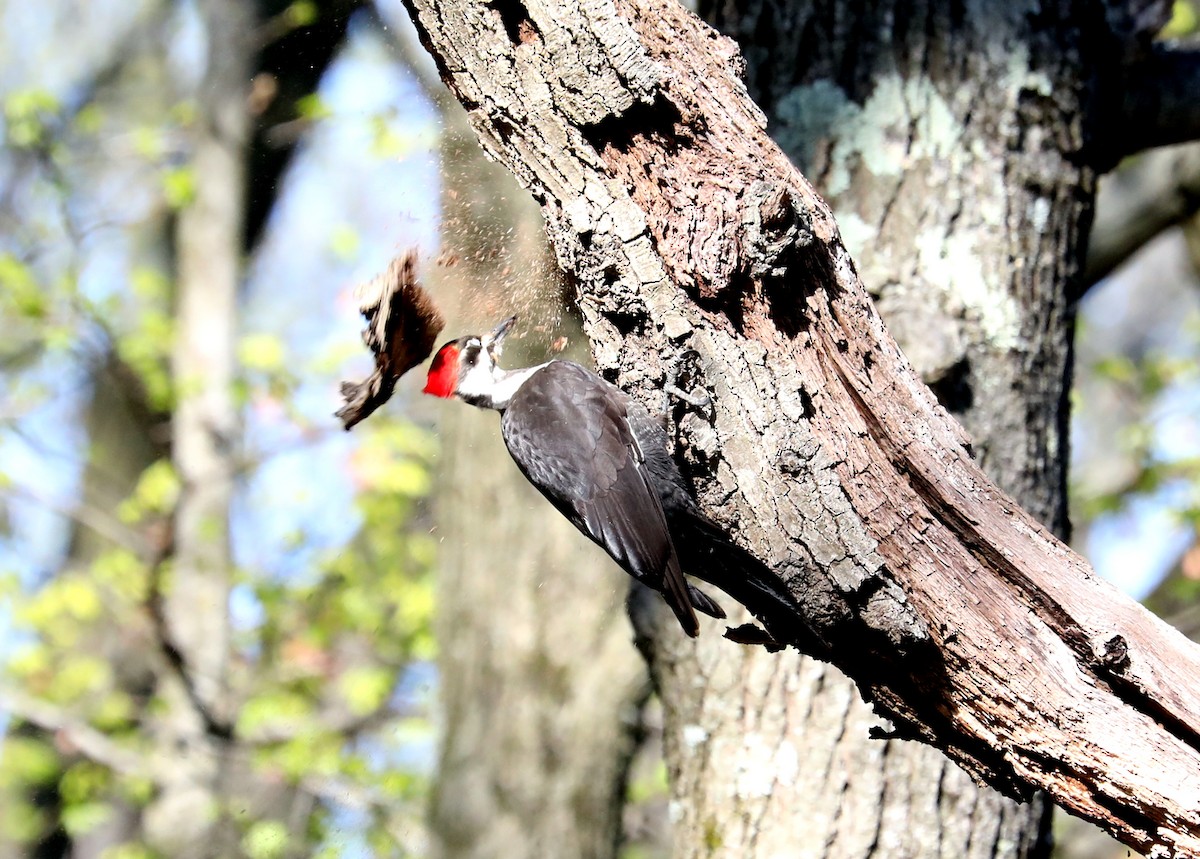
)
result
[(494, 342)]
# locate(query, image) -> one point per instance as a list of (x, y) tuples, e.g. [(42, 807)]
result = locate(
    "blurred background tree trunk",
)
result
[(540, 686), (188, 818)]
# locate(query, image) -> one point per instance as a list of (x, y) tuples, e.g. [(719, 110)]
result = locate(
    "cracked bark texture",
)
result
[(539, 705), (903, 144), (962, 619)]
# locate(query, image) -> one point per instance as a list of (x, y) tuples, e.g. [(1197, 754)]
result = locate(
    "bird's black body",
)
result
[(602, 460)]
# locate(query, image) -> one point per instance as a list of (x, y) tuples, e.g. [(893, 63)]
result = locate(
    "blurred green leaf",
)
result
[(82, 782), (137, 790), (113, 712), (146, 350), (149, 141), (263, 352), (89, 119), (27, 760), (122, 571), (149, 284), (83, 818), (265, 839), (366, 688), (1184, 20), (652, 785), (274, 708), (156, 493), (302, 13), (345, 242), (179, 186), (80, 597), (28, 115), (312, 107), (22, 822), (1117, 368), (78, 674), (20, 291)]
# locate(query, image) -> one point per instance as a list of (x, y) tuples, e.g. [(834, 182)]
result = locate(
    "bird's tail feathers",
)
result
[(676, 592), (703, 602), (707, 553)]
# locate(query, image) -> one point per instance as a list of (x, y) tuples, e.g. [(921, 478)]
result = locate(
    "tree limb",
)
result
[(326, 721), (1136, 203), (103, 522), (215, 724), (1156, 104), (90, 742), (960, 617), (1161, 107)]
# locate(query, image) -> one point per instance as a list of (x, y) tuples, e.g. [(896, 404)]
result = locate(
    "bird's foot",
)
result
[(675, 371), (699, 400)]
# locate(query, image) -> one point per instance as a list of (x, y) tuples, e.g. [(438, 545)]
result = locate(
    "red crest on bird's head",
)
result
[(443, 372), (463, 356)]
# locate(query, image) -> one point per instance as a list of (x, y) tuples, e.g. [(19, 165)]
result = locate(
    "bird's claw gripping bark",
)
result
[(674, 372), (699, 400)]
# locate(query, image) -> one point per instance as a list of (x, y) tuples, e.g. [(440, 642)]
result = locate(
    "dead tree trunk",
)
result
[(961, 618), (897, 128)]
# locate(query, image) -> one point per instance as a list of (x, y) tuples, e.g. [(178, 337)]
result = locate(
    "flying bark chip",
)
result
[(402, 325)]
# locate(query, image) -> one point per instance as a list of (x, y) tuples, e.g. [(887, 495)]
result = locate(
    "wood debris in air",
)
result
[(402, 325)]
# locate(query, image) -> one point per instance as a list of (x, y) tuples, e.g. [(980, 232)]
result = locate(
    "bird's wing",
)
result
[(570, 435)]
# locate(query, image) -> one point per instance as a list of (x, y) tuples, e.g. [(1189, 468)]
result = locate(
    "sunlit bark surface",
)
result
[(896, 127), (962, 619)]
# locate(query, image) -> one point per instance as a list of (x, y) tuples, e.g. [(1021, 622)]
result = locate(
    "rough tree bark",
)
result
[(963, 620), (540, 685), (898, 128)]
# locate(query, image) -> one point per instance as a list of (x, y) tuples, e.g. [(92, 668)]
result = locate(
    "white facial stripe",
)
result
[(478, 381), (487, 386)]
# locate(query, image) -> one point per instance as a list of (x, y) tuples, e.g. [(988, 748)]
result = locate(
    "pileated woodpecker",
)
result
[(598, 456)]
